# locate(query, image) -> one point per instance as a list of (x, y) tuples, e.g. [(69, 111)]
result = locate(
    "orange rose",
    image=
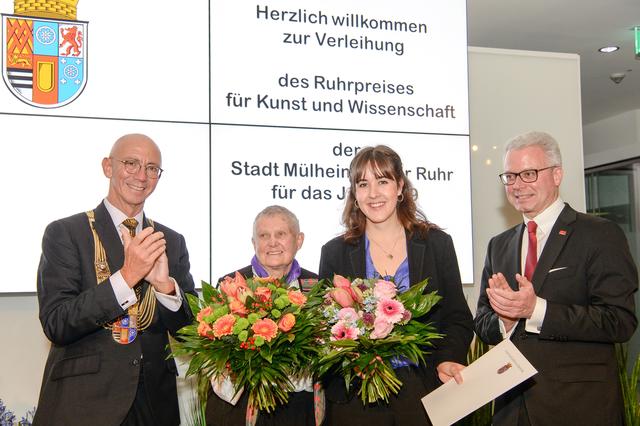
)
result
[(265, 328), (287, 322), (237, 307), (205, 330), (203, 313), (263, 293), (296, 297), (224, 325)]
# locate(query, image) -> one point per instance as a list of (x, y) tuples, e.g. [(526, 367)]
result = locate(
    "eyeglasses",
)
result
[(526, 176), (133, 166)]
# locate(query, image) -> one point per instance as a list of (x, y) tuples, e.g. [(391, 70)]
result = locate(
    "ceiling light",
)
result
[(608, 49)]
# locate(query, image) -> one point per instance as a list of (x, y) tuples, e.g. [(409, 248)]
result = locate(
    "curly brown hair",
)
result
[(384, 162)]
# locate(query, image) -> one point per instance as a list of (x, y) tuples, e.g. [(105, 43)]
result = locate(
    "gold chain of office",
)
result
[(145, 309)]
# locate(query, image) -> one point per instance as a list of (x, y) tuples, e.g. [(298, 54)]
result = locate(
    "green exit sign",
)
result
[(636, 30)]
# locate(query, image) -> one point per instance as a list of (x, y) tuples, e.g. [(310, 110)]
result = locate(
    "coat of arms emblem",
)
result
[(44, 52)]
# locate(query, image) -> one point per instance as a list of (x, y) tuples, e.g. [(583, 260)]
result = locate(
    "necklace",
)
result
[(389, 254)]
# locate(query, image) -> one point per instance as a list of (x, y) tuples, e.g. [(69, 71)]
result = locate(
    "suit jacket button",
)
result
[(135, 362)]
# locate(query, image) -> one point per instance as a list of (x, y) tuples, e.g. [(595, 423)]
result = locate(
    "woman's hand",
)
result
[(448, 370)]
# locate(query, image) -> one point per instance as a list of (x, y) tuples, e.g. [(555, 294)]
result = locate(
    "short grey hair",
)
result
[(274, 210), (540, 139)]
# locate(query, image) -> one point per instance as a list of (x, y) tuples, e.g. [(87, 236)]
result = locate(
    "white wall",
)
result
[(23, 351), (612, 139), (510, 92)]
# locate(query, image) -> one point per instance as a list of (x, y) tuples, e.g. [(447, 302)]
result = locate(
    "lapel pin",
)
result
[(562, 232)]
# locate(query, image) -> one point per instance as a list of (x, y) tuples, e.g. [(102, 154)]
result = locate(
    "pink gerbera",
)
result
[(390, 310), (341, 331)]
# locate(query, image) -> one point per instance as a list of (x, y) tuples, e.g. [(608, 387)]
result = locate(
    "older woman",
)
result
[(387, 236), (276, 240)]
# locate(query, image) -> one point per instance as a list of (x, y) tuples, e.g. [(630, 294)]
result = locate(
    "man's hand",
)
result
[(450, 370), (141, 253), (508, 304), (158, 277)]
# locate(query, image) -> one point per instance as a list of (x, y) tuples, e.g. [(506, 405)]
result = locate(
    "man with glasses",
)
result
[(111, 285), (561, 287)]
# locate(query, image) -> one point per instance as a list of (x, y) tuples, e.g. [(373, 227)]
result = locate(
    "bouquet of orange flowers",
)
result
[(369, 327), (254, 331)]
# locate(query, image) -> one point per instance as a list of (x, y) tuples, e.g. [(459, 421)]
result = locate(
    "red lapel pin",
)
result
[(562, 232)]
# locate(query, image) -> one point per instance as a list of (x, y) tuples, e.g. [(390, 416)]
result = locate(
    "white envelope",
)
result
[(491, 375)]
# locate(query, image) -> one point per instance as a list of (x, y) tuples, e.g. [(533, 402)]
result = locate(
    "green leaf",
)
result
[(207, 291), (194, 303), (265, 352)]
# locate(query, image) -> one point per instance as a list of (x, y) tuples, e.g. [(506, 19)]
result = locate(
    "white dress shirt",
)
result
[(545, 221)]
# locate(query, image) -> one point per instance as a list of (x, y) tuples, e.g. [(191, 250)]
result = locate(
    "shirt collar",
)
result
[(118, 217), (548, 217)]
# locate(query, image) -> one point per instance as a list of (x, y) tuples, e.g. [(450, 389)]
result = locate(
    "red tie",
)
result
[(532, 250)]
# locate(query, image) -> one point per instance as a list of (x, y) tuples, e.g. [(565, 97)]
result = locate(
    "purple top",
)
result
[(401, 277)]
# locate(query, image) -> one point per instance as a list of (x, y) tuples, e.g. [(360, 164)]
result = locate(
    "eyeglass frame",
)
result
[(502, 176), (138, 165)]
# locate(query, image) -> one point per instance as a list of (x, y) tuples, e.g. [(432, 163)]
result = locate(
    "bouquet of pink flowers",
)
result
[(254, 331), (367, 326)]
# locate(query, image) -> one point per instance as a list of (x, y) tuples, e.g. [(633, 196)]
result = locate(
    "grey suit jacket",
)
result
[(88, 377), (588, 278)]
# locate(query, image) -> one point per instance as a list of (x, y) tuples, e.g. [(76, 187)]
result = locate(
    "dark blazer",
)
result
[(88, 377), (588, 278), (432, 257), (297, 412)]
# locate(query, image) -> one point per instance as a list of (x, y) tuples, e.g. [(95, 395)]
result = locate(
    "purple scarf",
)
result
[(291, 278)]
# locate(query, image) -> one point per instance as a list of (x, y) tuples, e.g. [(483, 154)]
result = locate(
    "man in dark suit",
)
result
[(276, 240), (562, 290), (107, 300)]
